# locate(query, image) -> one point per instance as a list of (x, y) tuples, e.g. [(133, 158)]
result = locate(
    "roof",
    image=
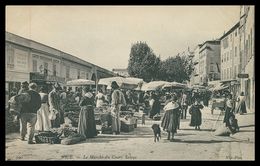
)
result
[(231, 30), (30, 44)]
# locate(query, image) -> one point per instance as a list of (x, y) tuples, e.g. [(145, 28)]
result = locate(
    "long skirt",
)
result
[(116, 123), (241, 108), (195, 118), (43, 122), (170, 121), (87, 124), (228, 113)]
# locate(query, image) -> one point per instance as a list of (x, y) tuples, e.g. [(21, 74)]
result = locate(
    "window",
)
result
[(54, 69), (235, 33), (227, 56), (251, 42), (34, 65), (86, 75), (224, 57), (67, 72), (45, 68), (78, 74), (227, 73), (235, 72), (224, 74), (225, 43), (235, 51), (211, 68), (230, 70), (10, 58)]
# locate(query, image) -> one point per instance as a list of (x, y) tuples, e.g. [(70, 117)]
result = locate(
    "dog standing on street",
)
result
[(157, 132)]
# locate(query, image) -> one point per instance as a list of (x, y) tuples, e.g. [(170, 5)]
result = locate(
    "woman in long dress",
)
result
[(43, 122), (196, 114), (87, 125), (241, 106), (170, 118)]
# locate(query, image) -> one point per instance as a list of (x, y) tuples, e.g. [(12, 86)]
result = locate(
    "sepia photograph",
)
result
[(129, 83)]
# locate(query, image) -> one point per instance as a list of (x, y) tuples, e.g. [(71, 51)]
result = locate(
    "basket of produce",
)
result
[(73, 116), (47, 137), (157, 117)]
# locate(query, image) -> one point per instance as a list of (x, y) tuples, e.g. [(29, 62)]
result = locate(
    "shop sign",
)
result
[(243, 75)]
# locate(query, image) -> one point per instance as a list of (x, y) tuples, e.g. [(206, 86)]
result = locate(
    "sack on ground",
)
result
[(222, 131), (73, 139)]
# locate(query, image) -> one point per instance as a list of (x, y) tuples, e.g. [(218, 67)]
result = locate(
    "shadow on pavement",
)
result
[(247, 126), (197, 130), (203, 141)]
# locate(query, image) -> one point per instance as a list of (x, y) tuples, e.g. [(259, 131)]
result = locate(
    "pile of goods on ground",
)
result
[(11, 124), (64, 135), (72, 118)]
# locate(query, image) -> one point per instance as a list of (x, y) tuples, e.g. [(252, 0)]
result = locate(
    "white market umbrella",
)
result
[(122, 82), (154, 85), (80, 82), (175, 84)]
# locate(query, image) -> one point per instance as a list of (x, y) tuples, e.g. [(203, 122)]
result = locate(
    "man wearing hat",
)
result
[(24, 88), (118, 100), (54, 102), (28, 115)]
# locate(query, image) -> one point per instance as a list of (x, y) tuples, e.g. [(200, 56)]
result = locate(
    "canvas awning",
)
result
[(80, 82)]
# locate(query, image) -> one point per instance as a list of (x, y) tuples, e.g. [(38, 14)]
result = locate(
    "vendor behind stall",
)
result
[(118, 100)]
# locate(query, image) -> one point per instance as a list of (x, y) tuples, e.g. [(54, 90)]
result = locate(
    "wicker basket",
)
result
[(47, 137)]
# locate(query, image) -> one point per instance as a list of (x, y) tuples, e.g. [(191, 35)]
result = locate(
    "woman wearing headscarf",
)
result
[(87, 124), (241, 106), (100, 98), (118, 100), (43, 122), (170, 118)]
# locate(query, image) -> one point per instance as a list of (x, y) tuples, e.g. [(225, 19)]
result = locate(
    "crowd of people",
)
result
[(46, 110)]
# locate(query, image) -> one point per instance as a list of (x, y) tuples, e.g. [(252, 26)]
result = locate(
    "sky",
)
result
[(103, 35)]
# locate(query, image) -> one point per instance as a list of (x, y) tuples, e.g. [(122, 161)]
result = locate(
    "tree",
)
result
[(143, 63), (177, 69)]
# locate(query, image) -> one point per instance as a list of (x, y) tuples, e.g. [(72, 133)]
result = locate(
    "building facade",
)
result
[(247, 53), (230, 58), (30, 61), (209, 61), (195, 78)]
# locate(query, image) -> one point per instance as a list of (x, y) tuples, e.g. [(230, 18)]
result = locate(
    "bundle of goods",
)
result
[(106, 123), (157, 117), (73, 116), (69, 131), (128, 123), (48, 137), (72, 106), (73, 139), (15, 104)]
